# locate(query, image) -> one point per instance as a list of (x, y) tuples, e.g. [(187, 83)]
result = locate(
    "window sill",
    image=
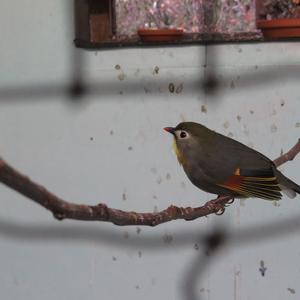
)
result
[(186, 40)]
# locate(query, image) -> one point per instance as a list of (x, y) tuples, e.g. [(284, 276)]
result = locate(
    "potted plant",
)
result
[(279, 18), (159, 25)]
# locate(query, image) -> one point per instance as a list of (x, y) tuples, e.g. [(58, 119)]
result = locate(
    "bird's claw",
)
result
[(218, 208), (220, 211), (230, 201), (218, 205)]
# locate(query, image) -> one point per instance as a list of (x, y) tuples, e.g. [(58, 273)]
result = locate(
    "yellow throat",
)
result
[(178, 153)]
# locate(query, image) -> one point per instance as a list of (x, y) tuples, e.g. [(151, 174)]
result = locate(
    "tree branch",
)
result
[(288, 156), (65, 210)]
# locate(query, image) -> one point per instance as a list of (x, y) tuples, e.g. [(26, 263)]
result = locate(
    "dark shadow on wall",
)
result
[(208, 244), (211, 86), (182, 238)]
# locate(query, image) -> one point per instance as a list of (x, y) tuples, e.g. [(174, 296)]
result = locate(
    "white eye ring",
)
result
[(181, 134)]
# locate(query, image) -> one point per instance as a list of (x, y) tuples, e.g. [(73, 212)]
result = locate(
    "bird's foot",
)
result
[(229, 202), (220, 211), (218, 205)]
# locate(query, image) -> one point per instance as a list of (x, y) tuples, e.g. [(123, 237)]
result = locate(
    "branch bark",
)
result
[(288, 156), (62, 209)]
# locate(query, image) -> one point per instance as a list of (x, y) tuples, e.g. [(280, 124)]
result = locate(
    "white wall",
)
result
[(129, 165)]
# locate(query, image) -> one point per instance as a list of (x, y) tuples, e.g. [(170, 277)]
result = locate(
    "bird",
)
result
[(220, 165)]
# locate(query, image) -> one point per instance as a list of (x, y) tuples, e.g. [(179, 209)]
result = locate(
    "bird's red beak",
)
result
[(170, 129)]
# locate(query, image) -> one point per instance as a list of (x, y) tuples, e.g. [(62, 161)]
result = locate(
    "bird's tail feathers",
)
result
[(289, 192), (289, 187)]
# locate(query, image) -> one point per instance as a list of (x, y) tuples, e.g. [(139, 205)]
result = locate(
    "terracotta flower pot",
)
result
[(280, 28), (160, 35)]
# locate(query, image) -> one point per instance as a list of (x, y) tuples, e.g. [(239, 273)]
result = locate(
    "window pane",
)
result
[(230, 16), (134, 14), (193, 16)]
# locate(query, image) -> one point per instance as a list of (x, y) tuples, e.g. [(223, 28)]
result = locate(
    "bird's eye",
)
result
[(183, 134)]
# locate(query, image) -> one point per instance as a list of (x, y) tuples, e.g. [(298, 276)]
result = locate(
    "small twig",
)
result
[(288, 156), (65, 210)]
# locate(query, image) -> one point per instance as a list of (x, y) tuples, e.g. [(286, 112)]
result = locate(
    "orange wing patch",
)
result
[(264, 185)]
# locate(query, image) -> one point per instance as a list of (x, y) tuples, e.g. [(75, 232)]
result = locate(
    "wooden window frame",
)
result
[(95, 28)]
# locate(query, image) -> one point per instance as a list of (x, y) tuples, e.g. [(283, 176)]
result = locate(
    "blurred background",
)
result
[(87, 125)]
